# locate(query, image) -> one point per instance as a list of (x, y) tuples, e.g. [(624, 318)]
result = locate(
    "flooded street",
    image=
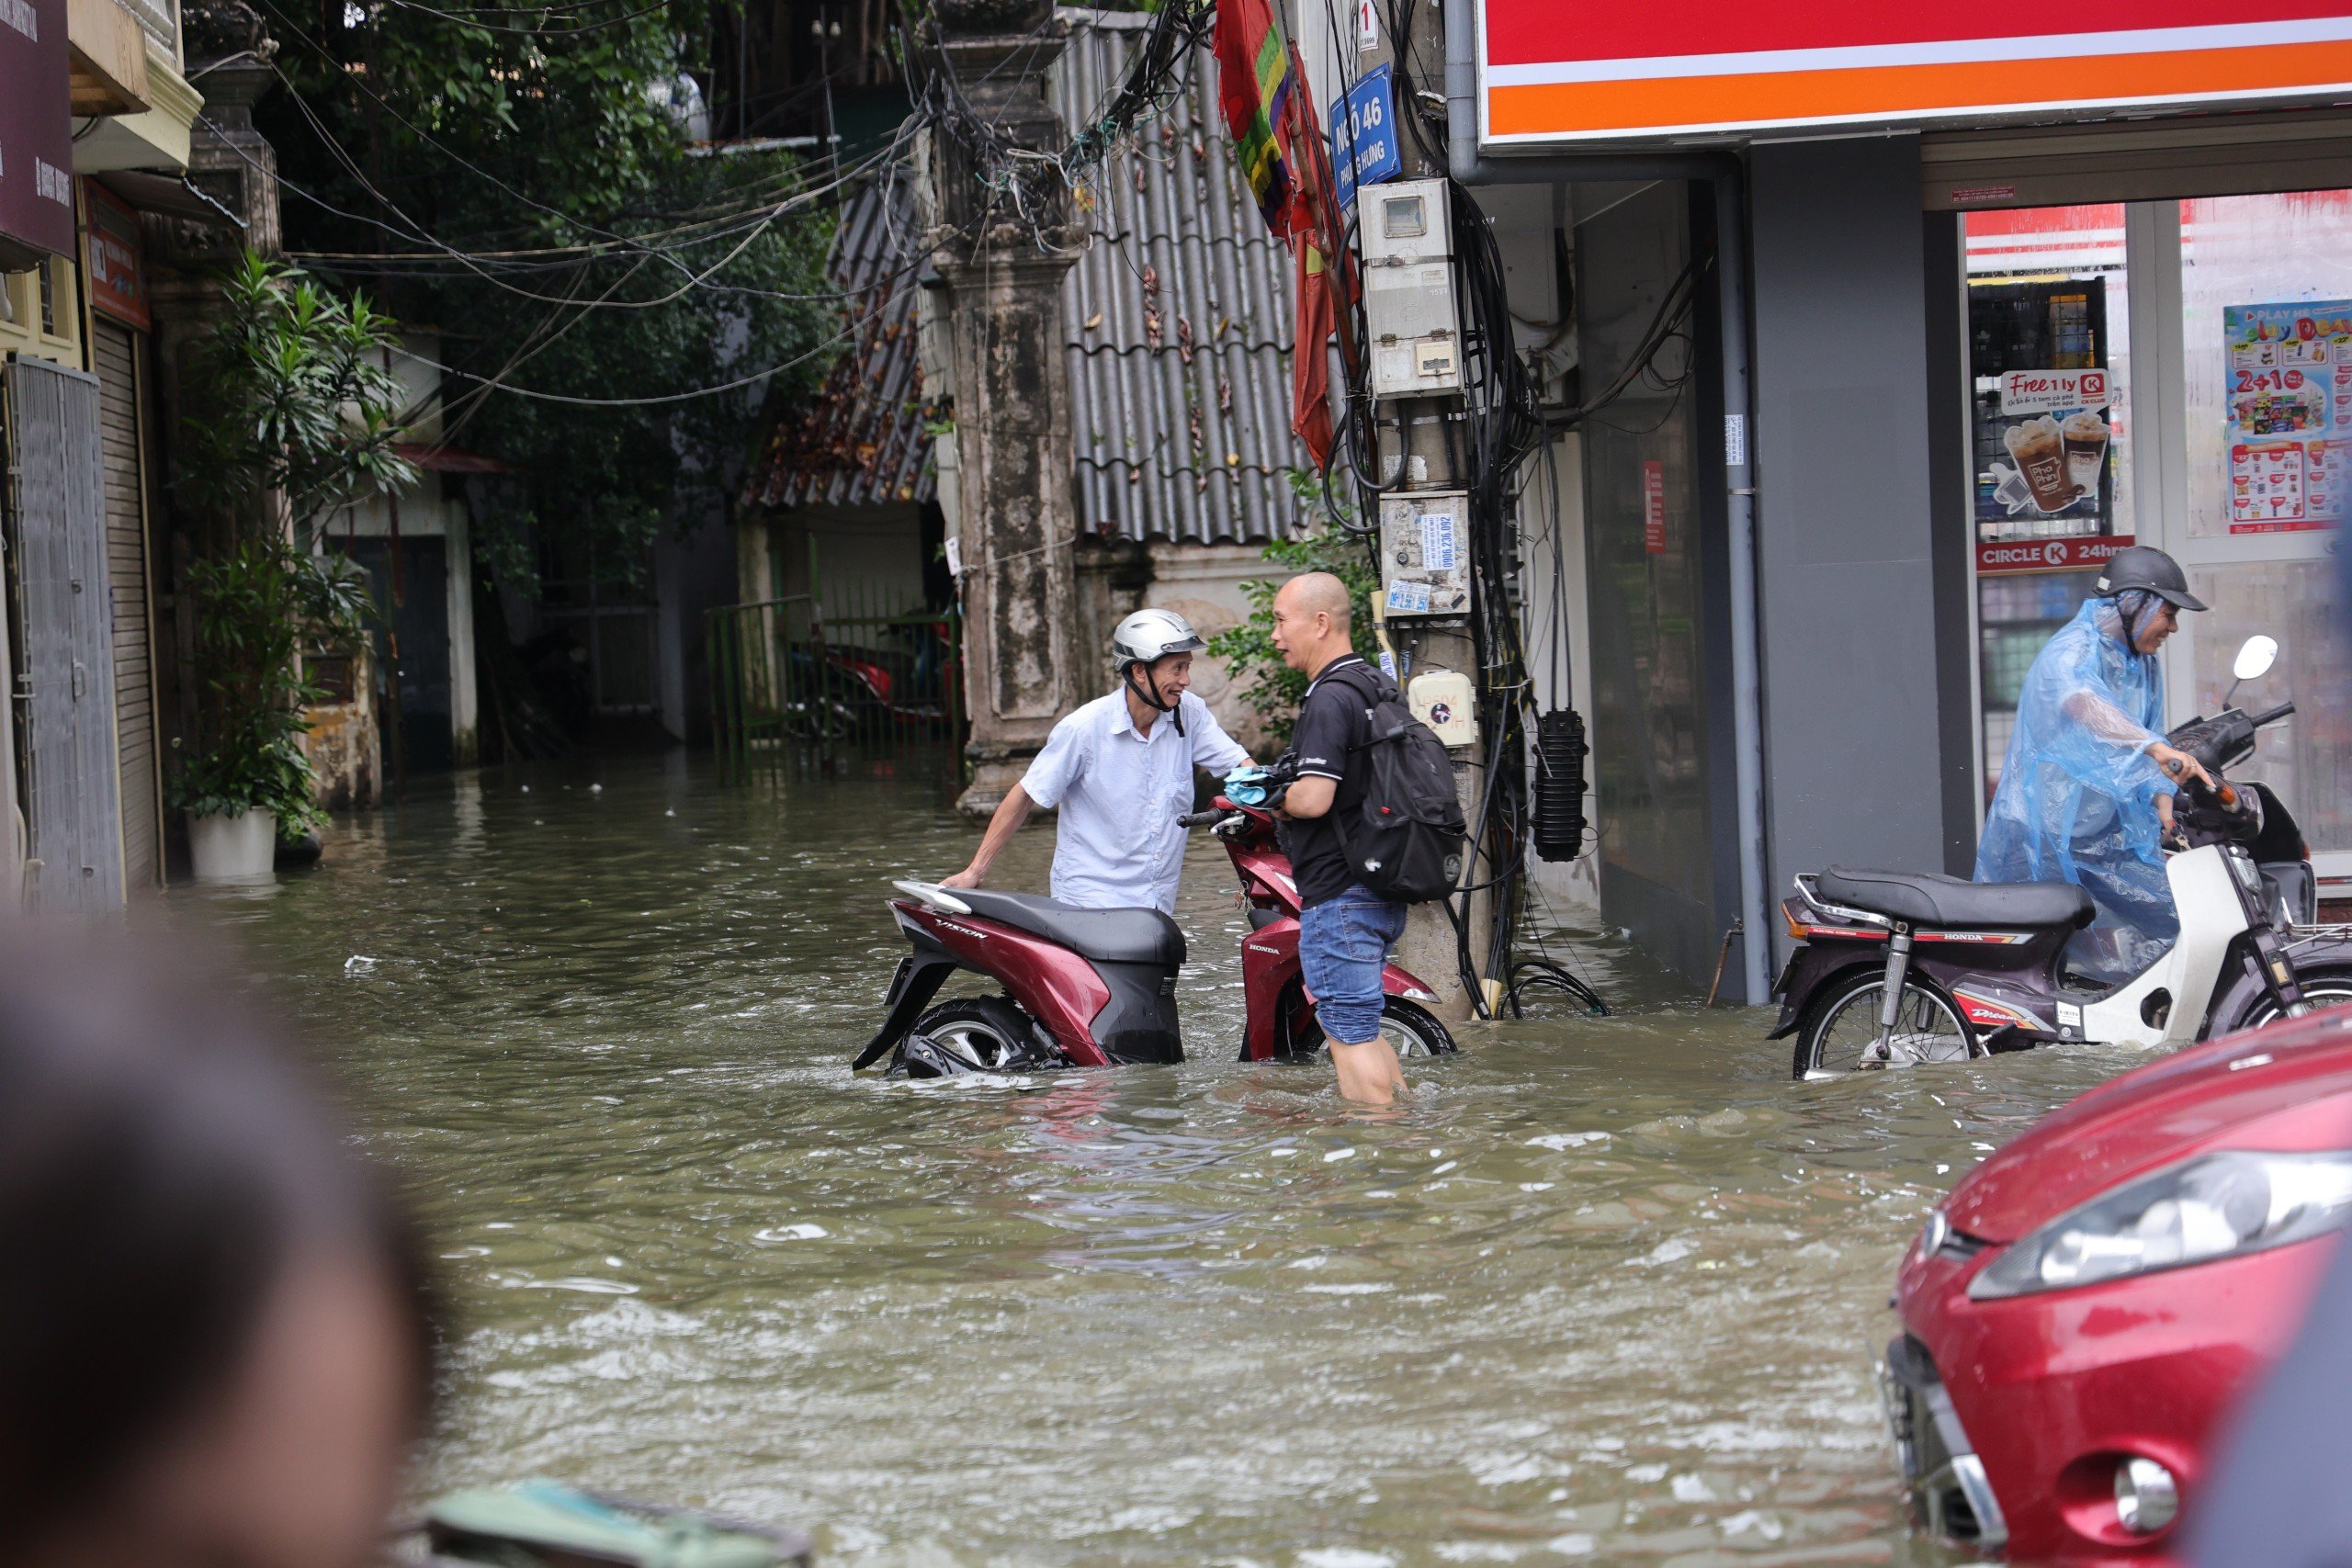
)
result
[(1606, 1289)]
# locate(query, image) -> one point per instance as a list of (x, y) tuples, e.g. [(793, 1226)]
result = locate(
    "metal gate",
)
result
[(120, 356), (64, 688), (834, 674)]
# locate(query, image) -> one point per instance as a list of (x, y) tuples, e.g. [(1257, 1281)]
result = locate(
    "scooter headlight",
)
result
[(2217, 1205)]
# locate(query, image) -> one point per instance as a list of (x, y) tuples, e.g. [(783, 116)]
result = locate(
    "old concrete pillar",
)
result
[(1000, 238)]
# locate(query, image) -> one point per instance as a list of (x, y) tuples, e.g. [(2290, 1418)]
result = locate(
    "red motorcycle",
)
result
[(1097, 987)]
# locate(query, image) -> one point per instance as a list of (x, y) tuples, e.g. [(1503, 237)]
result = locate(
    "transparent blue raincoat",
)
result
[(2078, 797)]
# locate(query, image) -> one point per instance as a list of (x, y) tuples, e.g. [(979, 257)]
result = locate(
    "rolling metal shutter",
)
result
[(56, 521), (121, 376), (2141, 160)]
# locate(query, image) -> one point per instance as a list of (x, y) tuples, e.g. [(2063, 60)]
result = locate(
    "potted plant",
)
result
[(300, 418), (260, 604)]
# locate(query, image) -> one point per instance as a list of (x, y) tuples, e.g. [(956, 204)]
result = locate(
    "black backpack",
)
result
[(1403, 840)]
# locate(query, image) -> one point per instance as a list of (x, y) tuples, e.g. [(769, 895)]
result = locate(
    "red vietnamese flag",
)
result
[(1310, 381)]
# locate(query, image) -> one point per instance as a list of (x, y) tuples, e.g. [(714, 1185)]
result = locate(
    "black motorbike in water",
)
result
[(1895, 967)]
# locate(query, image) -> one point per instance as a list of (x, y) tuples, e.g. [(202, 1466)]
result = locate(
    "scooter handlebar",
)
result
[(2273, 717), (1200, 818)]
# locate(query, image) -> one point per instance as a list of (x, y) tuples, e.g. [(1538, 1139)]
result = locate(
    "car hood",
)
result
[(2287, 1087)]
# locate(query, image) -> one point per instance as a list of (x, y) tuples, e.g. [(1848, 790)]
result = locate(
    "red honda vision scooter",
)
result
[(1097, 987)]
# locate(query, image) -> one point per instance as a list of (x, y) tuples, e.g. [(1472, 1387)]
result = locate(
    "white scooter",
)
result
[(1896, 968)]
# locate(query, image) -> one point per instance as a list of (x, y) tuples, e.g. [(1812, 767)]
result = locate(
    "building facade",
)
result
[(95, 119), (1174, 320), (1911, 329)]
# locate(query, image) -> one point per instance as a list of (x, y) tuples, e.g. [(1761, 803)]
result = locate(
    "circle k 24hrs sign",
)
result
[(1680, 67), (2080, 554)]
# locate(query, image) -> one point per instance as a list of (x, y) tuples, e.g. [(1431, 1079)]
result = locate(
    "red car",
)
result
[(2086, 1302)]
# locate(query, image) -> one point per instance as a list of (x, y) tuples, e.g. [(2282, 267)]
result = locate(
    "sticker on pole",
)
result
[(1441, 550), (1363, 135)]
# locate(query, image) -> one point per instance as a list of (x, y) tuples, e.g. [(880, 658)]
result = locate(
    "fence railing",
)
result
[(833, 673)]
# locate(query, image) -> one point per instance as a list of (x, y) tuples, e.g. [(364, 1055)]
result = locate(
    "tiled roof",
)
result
[(861, 441), (1179, 318)]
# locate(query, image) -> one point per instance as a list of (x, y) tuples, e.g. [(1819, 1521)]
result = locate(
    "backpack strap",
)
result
[(1376, 688)]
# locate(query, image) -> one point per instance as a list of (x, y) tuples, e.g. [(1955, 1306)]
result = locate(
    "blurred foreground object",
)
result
[(215, 1341), (541, 1522), (2277, 1496)]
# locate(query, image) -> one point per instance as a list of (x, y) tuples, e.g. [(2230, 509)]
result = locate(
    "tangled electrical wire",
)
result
[(1027, 184), (1154, 80)]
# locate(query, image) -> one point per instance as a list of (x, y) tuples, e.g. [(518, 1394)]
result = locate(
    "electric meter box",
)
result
[(1405, 242), (1445, 701), (1425, 555)]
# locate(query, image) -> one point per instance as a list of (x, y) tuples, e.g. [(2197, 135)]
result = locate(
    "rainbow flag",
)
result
[(1257, 86)]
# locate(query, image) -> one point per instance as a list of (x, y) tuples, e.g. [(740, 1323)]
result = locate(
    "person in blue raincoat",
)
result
[(2085, 794)]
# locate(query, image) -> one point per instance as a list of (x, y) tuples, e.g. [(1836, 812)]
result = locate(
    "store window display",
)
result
[(2265, 315), (2050, 423)]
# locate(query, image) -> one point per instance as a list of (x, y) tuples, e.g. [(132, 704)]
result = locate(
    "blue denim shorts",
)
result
[(1343, 945)]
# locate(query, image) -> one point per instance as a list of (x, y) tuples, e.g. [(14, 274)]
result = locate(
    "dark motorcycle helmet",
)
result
[(2145, 567)]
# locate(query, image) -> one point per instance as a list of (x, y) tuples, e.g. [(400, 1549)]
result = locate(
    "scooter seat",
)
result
[(1107, 936), (1930, 898)]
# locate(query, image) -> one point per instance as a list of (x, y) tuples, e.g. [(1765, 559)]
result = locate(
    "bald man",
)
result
[(1345, 930)]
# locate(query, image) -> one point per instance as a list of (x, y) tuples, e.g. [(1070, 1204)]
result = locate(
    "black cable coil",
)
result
[(1560, 751)]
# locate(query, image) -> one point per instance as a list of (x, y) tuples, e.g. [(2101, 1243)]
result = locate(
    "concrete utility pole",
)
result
[(1412, 435), (1000, 237)]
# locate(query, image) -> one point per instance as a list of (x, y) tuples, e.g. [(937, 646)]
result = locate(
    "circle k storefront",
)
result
[(2001, 295), (2190, 361)]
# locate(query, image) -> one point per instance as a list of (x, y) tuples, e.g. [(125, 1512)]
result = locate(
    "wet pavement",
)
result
[(1607, 1290)]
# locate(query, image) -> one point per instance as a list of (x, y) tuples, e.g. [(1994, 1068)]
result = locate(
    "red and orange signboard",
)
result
[(1695, 67), (118, 273)]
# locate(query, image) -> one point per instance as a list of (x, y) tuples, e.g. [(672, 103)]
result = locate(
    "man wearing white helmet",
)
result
[(1120, 776)]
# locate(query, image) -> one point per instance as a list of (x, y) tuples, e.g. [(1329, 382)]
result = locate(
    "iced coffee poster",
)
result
[(2043, 395), (2053, 432), (2289, 407)]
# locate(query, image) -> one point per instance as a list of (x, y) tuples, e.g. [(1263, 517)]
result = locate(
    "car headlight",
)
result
[(2217, 1205)]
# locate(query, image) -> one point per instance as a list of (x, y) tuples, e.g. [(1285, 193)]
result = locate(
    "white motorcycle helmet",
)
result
[(1146, 637)]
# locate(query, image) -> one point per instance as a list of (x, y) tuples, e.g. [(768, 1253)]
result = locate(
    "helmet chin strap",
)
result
[(1150, 692), (2148, 603)]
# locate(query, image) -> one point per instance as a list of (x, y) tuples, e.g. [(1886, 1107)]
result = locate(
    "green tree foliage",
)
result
[(295, 417), (1271, 687), (519, 177), (296, 402)]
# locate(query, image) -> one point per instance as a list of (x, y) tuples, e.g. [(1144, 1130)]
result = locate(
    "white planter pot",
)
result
[(233, 849)]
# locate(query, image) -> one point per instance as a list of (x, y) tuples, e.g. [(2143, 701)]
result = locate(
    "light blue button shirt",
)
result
[(1117, 844)]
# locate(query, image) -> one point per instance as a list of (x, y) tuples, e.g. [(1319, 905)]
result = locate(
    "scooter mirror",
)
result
[(2254, 659)]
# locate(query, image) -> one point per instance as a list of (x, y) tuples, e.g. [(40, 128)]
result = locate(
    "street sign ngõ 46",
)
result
[(1363, 135)]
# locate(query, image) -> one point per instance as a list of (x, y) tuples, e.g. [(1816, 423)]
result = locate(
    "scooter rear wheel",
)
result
[(1839, 1033), (984, 1034)]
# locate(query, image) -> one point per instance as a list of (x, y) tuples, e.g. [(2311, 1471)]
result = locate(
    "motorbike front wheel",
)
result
[(2329, 988), (1839, 1032)]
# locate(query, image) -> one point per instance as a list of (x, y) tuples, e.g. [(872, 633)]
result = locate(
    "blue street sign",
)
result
[(1363, 135)]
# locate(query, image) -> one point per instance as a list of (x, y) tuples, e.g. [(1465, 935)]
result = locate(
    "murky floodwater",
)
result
[(1606, 1289)]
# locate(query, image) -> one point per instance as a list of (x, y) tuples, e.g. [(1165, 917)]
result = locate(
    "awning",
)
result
[(168, 194)]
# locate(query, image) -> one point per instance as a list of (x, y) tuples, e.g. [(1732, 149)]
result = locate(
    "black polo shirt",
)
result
[(1333, 725)]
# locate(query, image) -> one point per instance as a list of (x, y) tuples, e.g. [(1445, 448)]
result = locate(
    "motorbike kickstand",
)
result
[(1898, 969)]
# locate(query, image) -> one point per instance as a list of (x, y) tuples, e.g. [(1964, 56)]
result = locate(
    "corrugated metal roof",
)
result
[(1180, 318), (861, 442)]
